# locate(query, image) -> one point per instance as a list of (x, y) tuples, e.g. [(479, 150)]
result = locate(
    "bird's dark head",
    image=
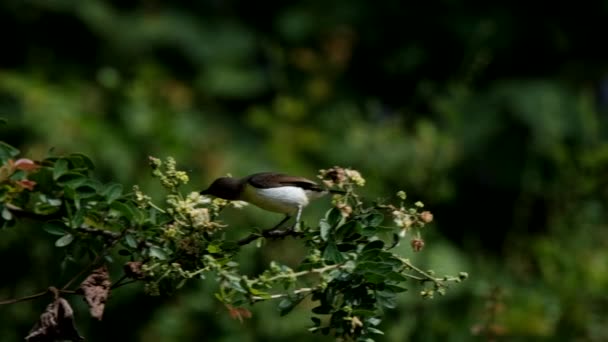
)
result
[(225, 187)]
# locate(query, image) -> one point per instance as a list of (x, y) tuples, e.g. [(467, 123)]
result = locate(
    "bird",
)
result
[(271, 191)]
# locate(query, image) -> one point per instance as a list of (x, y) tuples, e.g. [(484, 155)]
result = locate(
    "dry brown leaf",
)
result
[(96, 289), (55, 324)]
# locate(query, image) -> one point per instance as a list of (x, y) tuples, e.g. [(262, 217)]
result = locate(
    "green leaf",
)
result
[(325, 229), (376, 244), (393, 288), (181, 283), (80, 161), (78, 219), (322, 309), (131, 242), (213, 248), (18, 175), (55, 228), (158, 253), (374, 321), (124, 209), (374, 219), (386, 299), (71, 179), (6, 214), (331, 253), (112, 192), (287, 304), (60, 168), (7, 152), (64, 240), (375, 331), (333, 217), (43, 205), (349, 229), (87, 189)]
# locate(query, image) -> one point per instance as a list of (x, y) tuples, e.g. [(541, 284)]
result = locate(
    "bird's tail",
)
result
[(337, 192)]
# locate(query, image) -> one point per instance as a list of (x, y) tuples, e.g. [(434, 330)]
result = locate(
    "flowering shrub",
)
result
[(350, 269)]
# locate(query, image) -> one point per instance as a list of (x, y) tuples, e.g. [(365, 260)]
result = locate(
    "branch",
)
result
[(303, 273), (281, 295), (36, 295)]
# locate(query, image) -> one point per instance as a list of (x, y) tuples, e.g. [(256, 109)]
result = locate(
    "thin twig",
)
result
[(281, 295), (427, 276), (117, 285), (22, 299), (34, 296), (302, 273)]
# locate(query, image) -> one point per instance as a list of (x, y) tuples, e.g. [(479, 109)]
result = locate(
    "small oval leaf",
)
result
[(112, 192), (60, 168), (158, 253), (54, 228), (131, 242), (64, 240)]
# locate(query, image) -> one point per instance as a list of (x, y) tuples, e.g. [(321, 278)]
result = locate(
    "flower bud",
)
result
[(417, 244)]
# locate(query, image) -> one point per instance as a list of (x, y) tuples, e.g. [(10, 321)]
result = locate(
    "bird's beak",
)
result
[(205, 192)]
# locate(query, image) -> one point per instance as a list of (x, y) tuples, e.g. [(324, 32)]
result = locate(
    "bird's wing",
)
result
[(275, 180)]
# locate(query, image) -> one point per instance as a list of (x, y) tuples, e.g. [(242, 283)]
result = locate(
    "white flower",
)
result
[(238, 204)]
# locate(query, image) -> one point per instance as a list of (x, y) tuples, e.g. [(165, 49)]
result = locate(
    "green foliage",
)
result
[(349, 270)]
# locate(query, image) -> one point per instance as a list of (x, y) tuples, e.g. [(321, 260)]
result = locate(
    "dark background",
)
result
[(492, 113)]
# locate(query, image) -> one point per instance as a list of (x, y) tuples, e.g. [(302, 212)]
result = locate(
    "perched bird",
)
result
[(271, 191)]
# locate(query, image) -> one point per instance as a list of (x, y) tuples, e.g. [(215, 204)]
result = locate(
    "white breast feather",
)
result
[(284, 199)]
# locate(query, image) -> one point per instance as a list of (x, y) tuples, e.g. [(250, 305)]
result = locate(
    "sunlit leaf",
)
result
[(64, 240), (157, 252)]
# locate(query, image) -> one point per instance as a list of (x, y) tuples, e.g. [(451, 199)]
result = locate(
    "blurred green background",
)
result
[(494, 114)]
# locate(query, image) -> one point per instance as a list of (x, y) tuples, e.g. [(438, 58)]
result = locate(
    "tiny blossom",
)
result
[(426, 216), (197, 198), (402, 219), (335, 174), (419, 204), (355, 177), (345, 209), (417, 244), (355, 323), (171, 231), (142, 199), (238, 204), (401, 194), (155, 163), (200, 218)]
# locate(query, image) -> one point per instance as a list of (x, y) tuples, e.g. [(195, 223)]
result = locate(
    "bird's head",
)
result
[(225, 187)]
